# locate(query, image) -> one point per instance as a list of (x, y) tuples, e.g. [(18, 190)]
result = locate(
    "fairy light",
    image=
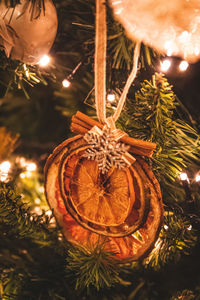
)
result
[(197, 178), (41, 189), (4, 170), (165, 227), (48, 213), (111, 97), (165, 65), (22, 175), (31, 167), (37, 201), (184, 177), (26, 174), (66, 83), (28, 167), (21, 161), (183, 65), (37, 210), (189, 227), (44, 60)]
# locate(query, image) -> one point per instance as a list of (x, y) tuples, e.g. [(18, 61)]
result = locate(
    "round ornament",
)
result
[(132, 247), (169, 26), (112, 204), (28, 31)]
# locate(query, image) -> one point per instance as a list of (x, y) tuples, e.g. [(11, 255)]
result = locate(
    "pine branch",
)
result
[(152, 116), (11, 283), (24, 225), (176, 238), (93, 268), (184, 295)]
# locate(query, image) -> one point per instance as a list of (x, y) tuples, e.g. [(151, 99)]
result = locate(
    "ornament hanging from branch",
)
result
[(144, 213), (28, 30), (169, 26), (98, 180)]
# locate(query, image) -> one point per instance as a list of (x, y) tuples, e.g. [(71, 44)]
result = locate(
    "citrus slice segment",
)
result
[(101, 199), (59, 180), (137, 213), (128, 248), (132, 247)]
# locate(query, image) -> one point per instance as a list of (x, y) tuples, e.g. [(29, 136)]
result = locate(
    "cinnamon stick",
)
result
[(81, 123)]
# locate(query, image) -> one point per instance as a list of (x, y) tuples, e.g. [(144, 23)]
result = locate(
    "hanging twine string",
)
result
[(100, 60), (128, 83), (100, 68), (93, 130)]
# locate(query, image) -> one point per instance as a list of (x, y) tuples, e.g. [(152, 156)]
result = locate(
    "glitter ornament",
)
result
[(169, 26), (27, 31)]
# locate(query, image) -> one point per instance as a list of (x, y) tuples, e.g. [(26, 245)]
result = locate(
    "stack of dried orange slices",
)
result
[(123, 206)]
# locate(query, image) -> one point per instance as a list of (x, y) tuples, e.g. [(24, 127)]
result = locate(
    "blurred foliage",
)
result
[(184, 295), (8, 142)]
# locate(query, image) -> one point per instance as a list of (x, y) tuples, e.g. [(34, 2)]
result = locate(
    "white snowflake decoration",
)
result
[(105, 149)]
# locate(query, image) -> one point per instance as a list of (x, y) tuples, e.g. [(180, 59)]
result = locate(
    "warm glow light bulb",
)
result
[(66, 83), (111, 97), (37, 201), (5, 167), (31, 167), (197, 178), (26, 174), (4, 170), (44, 61), (48, 213), (165, 65), (183, 65), (183, 176), (22, 175)]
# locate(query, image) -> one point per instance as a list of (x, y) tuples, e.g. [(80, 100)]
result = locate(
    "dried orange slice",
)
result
[(146, 222), (102, 199), (104, 204), (128, 248), (63, 177)]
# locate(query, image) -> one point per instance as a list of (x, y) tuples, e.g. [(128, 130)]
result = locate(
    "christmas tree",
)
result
[(54, 243)]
